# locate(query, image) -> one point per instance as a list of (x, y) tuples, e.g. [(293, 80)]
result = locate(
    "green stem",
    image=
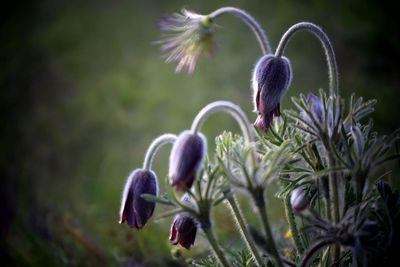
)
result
[(292, 225), (155, 146), (328, 209), (240, 221), (233, 110), (214, 244), (250, 21), (326, 44), (260, 204), (335, 201)]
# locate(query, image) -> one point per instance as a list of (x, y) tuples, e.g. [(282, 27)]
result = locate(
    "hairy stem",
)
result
[(224, 106), (260, 204), (235, 111), (240, 221), (335, 201), (292, 225), (326, 44), (215, 246), (250, 21), (155, 146)]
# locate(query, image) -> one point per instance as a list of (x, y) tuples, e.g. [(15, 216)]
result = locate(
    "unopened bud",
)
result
[(271, 79), (298, 200), (134, 209), (186, 158)]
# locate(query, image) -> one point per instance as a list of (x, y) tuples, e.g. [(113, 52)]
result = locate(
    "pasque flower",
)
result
[(271, 78), (187, 36), (183, 230), (184, 226), (186, 158), (134, 209)]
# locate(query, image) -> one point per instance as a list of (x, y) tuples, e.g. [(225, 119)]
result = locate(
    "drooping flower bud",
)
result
[(271, 79), (183, 230), (186, 158), (298, 200), (184, 227), (134, 209)]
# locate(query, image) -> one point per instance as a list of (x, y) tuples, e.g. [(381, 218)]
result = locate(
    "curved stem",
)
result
[(292, 225), (260, 204), (214, 245), (240, 221), (326, 44), (235, 111), (250, 21), (155, 146), (314, 249)]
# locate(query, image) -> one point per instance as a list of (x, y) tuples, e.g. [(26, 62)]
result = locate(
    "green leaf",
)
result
[(161, 200)]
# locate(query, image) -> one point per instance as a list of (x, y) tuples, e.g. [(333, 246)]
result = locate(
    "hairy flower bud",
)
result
[(271, 79), (183, 230), (298, 200), (134, 209), (186, 158)]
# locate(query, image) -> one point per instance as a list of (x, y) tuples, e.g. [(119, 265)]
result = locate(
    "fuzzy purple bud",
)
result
[(186, 158), (298, 200), (183, 230), (271, 79), (134, 209)]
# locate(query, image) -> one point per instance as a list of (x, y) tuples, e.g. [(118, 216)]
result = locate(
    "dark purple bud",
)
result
[(183, 230), (186, 158), (271, 79), (298, 200), (134, 209)]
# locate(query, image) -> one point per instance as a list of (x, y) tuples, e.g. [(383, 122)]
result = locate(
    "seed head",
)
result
[(187, 36)]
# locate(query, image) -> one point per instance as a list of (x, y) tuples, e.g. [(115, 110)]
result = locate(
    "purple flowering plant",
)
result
[(323, 157)]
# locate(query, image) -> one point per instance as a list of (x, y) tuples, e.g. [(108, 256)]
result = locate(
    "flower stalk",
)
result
[(335, 202), (242, 224), (326, 44), (250, 21), (155, 146), (215, 246), (292, 225), (235, 111), (260, 204)]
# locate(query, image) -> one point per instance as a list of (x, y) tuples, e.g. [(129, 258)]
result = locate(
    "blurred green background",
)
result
[(83, 91)]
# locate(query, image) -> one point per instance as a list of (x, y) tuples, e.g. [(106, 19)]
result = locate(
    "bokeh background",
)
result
[(83, 91)]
